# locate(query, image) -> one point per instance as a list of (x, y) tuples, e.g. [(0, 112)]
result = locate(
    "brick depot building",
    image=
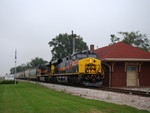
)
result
[(124, 65)]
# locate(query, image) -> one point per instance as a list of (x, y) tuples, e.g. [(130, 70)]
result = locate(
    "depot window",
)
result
[(131, 68)]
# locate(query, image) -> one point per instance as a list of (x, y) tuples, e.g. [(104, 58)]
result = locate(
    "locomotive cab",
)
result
[(90, 70)]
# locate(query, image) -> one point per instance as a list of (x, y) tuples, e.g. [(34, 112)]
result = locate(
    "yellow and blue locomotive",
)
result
[(79, 68)]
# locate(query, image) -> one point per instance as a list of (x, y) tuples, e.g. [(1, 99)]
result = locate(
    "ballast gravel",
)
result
[(112, 97)]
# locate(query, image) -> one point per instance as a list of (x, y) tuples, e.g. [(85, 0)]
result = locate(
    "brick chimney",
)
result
[(92, 47)]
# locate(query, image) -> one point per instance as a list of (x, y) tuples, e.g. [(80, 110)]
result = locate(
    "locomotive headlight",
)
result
[(98, 71), (87, 71), (90, 60)]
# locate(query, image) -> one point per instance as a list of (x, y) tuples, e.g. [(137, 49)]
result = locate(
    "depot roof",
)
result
[(122, 52)]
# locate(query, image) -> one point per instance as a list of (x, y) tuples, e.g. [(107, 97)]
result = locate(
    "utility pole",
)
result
[(73, 39)]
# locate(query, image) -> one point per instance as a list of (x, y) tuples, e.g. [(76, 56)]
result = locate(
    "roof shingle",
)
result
[(121, 50)]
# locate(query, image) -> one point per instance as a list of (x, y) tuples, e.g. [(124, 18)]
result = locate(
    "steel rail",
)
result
[(126, 91)]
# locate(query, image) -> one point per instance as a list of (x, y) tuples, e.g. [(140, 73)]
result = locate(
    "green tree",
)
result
[(12, 70), (133, 38), (114, 39), (35, 62), (62, 45), (18, 68)]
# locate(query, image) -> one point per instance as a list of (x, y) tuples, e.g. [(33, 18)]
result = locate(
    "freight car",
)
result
[(20, 75), (29, 74), (80, 68)]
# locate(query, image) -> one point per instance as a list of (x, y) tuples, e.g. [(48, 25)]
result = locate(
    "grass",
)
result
[(33, 98)]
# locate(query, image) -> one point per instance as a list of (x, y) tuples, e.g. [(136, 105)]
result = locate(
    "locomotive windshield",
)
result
[(93, 55), (81, 56)]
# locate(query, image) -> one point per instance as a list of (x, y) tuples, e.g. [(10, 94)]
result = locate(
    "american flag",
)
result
[(15, 56)]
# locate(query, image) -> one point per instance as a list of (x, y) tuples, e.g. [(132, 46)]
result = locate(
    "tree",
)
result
[(12, 70), (34, 62), (37, 61), (133, 38), (114, 39), (19, 68), (62, 45)]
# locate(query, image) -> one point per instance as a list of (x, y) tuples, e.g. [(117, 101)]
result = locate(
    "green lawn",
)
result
[(33, 98)]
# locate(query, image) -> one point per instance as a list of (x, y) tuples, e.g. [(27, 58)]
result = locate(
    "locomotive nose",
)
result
[(90, 68)]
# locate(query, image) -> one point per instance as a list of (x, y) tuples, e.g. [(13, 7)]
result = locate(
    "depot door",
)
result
[(132, 79)]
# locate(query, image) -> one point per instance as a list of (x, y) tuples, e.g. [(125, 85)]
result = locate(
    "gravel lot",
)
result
[(112, 97)]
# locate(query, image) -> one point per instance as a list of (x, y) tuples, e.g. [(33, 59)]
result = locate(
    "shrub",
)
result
[(8, 82)]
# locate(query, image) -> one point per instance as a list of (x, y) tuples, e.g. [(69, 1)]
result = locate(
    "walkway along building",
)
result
[(125, 65)]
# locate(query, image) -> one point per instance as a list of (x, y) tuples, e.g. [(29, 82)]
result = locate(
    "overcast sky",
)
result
[(28, 25)]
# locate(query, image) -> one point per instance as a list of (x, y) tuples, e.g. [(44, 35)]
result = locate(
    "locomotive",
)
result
[(80, 68)]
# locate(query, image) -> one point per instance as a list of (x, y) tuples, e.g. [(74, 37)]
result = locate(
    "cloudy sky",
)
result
[(28, 25)]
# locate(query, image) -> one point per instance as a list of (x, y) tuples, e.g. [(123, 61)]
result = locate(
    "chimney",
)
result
[(92, 47)]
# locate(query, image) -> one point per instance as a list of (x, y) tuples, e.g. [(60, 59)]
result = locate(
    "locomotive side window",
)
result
[(79, 56)]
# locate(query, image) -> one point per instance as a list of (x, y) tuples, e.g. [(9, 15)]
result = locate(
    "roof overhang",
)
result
[(125, 59)]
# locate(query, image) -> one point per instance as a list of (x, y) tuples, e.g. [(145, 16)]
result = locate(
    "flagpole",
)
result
[(15, 64)]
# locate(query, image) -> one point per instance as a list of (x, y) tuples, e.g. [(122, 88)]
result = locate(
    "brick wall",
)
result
[(119, 75), (106, 76), (144, 75)]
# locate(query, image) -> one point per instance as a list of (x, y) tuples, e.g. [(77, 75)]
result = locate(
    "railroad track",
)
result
[(117, 90), (126, 91)]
